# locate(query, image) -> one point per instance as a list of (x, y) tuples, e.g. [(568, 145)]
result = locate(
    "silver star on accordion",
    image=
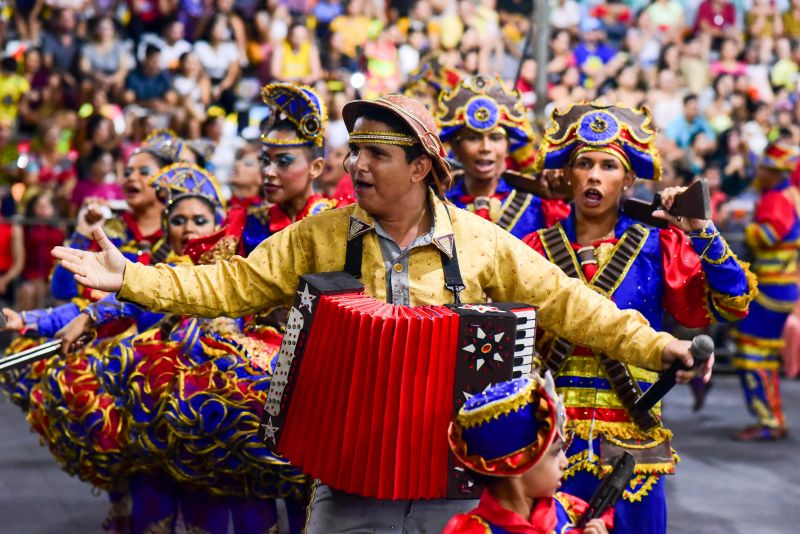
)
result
[(269, 430), (306, 298)]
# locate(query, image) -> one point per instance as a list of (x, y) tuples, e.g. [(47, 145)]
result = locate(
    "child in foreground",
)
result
[(512, 436)]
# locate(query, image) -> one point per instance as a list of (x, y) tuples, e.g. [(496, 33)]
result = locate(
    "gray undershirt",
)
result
[(395, 261)]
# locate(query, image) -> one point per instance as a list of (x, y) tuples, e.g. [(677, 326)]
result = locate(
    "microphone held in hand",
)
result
[(702, 348)]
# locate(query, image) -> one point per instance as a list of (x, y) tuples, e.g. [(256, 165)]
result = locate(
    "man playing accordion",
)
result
[(400, 238)]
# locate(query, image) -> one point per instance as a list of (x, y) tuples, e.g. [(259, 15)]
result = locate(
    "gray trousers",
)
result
[(334, 511)]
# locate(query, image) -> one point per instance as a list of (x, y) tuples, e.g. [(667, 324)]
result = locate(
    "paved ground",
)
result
[(724, 486), (721, 486)]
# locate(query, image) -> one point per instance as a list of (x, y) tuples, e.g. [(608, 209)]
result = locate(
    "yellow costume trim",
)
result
[(478, 519), (521, 210), (567, 505), (382, 138), (726, 253), (754, 341), (775, 304), (493, 410), (580, 463), (296, 142), (725, 305), (586, 429), (586, 367), (750, 365)]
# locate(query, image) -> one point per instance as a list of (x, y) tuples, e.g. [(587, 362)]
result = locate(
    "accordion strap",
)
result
[(354, 256), (606, 282)]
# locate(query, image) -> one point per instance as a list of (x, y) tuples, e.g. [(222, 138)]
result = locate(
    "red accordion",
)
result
[(363, 391)]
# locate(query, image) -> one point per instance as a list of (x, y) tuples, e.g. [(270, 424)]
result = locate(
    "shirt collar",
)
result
[(362, 222)]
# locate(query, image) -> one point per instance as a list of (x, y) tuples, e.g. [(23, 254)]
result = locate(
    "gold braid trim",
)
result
[(725, 303), (646, 475), (504, 406), (584, 429), (294, 142), (164, 526), (382, 138)]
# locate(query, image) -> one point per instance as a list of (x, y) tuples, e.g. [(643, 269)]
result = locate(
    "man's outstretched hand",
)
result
[(99, 270)]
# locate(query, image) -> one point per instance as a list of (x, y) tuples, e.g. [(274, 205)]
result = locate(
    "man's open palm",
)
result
[(98, 270)]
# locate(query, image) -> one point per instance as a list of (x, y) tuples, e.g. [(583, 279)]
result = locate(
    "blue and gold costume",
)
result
[(695, 278), (124, 233), (81, 420), (774, 238), (485, 105), (503, 432)]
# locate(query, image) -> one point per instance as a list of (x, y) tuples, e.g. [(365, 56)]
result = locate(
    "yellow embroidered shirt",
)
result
[(493, 264)]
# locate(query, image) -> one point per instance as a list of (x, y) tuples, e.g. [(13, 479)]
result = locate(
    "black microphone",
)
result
[(702, 348)]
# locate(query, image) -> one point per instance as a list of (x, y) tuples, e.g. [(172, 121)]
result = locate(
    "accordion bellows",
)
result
[(364, 391)]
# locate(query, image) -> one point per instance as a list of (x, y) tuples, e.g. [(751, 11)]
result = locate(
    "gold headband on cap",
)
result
[(382, 138)]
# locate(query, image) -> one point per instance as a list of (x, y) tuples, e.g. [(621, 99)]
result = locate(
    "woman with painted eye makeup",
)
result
[(291, 159), (485, 126), (196, 434)]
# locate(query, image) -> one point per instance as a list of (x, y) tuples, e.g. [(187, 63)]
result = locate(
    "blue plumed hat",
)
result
[(485, 104), (505, 430), (301, 106), (618, 130), (182, 180)]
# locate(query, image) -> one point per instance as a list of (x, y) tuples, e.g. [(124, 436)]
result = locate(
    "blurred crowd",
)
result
[(82, 82)]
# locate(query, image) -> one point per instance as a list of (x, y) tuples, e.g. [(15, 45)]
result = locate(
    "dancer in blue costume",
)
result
[(231, 388), (774, 238), (138, 233), (77, 416), (687, 270), (175, 387), (485, 126), (291, 158)]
